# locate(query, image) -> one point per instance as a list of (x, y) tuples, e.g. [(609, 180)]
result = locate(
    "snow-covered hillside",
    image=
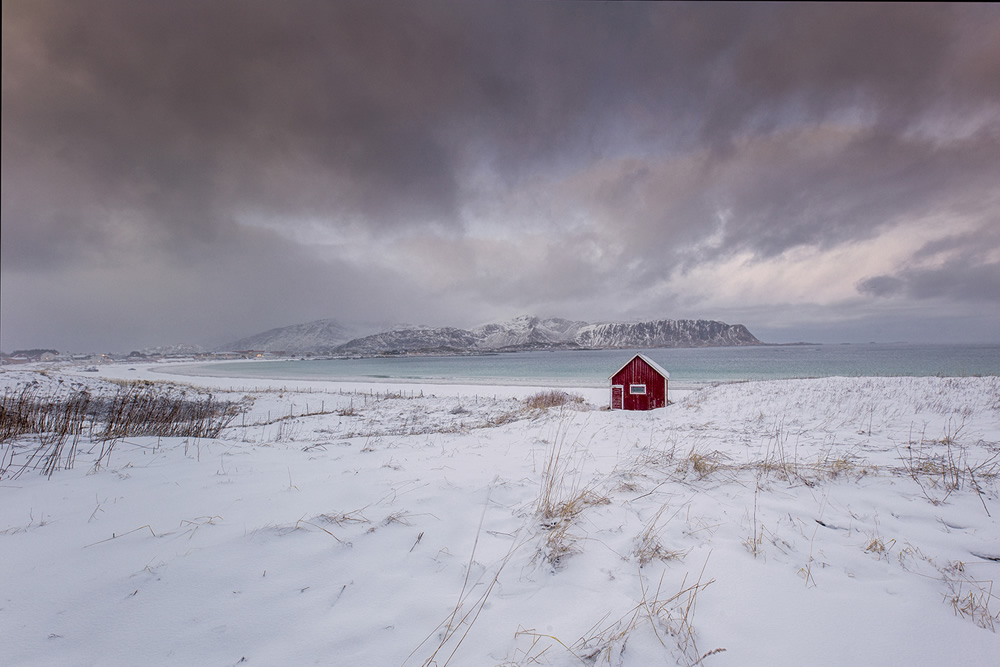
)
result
[(423, 339), (806, 522), (664, 333), (526, 331), (321, 336), (520, 333)]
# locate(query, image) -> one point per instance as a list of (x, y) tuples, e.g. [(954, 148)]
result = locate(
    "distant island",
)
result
[(329, 337)]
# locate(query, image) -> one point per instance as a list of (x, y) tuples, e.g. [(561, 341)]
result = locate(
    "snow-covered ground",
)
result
[(839, 521)]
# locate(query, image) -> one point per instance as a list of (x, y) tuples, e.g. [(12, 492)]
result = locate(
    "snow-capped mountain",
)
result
[(531, 333), (664, 333), (526, 331), (320, 336), (415, 339), (520, 333)]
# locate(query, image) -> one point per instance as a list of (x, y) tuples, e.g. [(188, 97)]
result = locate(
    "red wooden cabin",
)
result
[(641, 384)]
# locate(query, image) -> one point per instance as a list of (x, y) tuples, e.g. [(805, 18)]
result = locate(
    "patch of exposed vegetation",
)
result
[(52, 424), (552, 399)]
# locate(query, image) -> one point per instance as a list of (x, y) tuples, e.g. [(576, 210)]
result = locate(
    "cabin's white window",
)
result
[(637, 389)]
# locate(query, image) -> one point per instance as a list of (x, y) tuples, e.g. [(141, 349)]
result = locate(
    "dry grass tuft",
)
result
[(559, 542), (341, 518), (970, 598), (558, 545), (349, 411), (648, 546), (570, 508), (941, 467), (974, 604), (670, 618), (877, 545), (502, 418), (560, 501), (702, 463), (552, 399), (840, 466)]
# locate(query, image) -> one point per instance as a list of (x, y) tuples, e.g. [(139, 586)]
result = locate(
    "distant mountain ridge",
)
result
[(665, 333), (320, 336), (328, 337), (526, 331)]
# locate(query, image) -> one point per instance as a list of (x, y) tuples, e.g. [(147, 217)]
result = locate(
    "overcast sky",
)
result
[(194, 172)]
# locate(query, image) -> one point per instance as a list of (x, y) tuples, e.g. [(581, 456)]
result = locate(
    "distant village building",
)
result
[(641, 384)]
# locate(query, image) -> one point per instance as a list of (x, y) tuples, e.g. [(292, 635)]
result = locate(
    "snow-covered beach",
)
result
[(796, 522)]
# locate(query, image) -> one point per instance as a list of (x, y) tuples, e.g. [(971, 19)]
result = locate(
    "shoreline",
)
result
[(430, 387), (195, 371)]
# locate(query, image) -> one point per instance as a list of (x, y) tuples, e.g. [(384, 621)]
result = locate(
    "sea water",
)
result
[(689, 368)]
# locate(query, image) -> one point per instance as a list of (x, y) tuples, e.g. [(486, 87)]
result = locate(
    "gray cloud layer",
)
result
[(193, 170)]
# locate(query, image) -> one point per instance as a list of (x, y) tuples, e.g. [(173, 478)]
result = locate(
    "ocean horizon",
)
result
[(689, 368)]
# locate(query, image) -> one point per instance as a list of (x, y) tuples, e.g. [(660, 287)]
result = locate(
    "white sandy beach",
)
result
[(832, 521)]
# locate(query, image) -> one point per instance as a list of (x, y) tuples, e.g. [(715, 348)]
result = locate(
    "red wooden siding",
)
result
[(638, 371)]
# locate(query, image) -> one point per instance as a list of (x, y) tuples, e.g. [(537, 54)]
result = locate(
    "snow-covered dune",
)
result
[(804, 522)]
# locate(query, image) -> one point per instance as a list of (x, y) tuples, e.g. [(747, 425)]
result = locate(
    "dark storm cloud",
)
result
[(802, 190), (179, 114), (815, 188), (963, 267), (263, 281), (881, 286), (156, 131)]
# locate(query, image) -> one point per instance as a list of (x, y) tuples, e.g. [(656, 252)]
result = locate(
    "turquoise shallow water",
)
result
[(688, 367)]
